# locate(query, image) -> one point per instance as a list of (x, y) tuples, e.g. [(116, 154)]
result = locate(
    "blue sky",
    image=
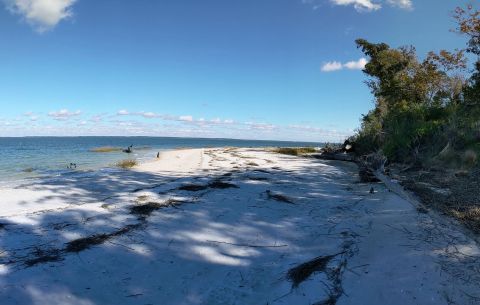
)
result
[(253, 69)]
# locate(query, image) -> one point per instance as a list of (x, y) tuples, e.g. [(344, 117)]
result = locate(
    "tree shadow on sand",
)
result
[(142, 238)]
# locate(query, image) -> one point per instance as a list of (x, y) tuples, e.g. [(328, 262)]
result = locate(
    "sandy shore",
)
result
[(228, 226)]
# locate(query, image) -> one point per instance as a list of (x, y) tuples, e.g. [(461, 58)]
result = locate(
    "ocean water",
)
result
[(31, 157)]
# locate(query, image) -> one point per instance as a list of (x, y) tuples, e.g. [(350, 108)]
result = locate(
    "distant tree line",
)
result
[(426, 111)]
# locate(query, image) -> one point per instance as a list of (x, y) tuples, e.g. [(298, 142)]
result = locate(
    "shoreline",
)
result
[(78, 173), (228, 226)]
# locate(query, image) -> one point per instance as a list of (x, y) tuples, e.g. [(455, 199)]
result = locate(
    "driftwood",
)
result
[(335, 156)]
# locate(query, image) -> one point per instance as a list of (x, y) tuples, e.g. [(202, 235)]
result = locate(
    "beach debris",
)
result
[(81, 244), (216, 184), (278, 197), (303, 271), (44, 256), (129, 149), (367, 175), (145, 209), (85, 243), (192, 187), (148, 208), (257, 178), (261, 171), (142, 198)]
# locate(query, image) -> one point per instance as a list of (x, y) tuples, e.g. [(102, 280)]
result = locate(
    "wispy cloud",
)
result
[(260, 126), (123, 112), (363, 5), (404, 4), (31, 116), (42, 15), (351, 65), (186, 118), (142, 123), (63, 114), (359, 5), (149, 115)]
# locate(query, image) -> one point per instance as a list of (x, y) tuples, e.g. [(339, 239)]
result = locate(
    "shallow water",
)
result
[(30, 157)]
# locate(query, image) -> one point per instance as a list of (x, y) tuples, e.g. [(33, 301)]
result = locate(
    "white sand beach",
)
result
[(228, 226)]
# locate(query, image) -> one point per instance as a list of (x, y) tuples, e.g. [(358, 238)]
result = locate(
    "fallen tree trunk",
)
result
[(335, 156)]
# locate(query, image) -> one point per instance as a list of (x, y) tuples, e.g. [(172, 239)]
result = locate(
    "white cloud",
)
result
[(404, 4), (43, 15), (63, 114), (332, 66), (351, 65), (356, 65), (359, 5)]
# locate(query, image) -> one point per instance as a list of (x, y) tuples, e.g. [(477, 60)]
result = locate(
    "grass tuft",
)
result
[(126, 164), (295, 151)]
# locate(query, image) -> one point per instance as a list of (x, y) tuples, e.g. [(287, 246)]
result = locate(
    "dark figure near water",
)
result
[(72, 165), (158, 155), (129, 149)]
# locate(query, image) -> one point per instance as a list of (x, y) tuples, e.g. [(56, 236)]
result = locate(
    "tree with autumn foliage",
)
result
[(425, 110)]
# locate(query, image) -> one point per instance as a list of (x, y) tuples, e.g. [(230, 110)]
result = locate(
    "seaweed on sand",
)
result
[(303, 271), (221, 185), (44, 256), (193, 187), (84, 243), (149, 207), (216, 184)]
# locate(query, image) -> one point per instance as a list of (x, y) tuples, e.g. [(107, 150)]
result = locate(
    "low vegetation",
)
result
[(295, 151), (105, 149), (126, 164)]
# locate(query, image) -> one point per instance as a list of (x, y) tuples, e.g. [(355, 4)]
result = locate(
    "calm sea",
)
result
[(30, 157)]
